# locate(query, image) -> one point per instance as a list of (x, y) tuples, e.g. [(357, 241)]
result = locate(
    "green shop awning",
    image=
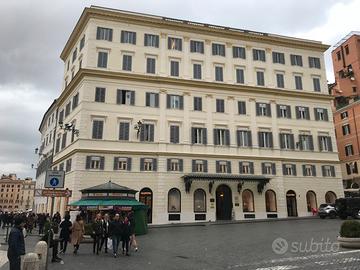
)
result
[(108, 202)]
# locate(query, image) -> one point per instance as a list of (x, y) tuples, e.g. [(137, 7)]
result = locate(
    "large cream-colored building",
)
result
[(207, 122)]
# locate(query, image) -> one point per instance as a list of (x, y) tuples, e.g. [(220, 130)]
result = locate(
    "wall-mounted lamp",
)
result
[(69, 127)]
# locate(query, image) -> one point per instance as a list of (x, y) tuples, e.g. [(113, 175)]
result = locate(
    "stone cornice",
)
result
[(184, 26)]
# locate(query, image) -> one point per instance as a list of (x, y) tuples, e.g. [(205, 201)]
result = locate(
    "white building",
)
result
[(233, 123)]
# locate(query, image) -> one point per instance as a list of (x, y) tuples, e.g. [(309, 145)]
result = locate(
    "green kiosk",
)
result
[(111, 198)]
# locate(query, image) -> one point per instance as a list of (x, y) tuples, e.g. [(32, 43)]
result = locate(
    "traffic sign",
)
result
[(54, 179), (56, 193)]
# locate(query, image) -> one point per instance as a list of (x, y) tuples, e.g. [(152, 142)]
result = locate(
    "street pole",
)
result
[(50, 228)]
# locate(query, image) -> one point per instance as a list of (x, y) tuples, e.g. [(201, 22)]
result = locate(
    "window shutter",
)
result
[(240, 167), (157, 41), (168, 164), (300, 142), (88, 161), (216, 141), (304, 170), (254, 55), (249, 138), (330, 144), (217, 166), (147, 99), (268, 110), (307, 111), (288, 109), (273, 168), (251, 165), (326, 115), (260, 141), (257, 109), (238, 137), (227, 136), (192, 135), (284, 169), (110, 34), (320, 145), (141, 164), (116, 162), (332, 169), (316, 114), (355, 167), (204, 134), (292, 141), (348, 169), (132, 98), (151, 133), (297, 112), (263, 168), (278, 110), (129, 164), (102, 163), (181, 165), (271, 140), (217, 105), (119, 97), (98, 33), (323, 170), (313, 168), (205, 164), (157, 100), (193, 164), (228, 165), (168, 101), (177, 139), (294, 169), (242, 107), (181, 105), (311, 142), (282, 141), (134, 41), (142, 133)]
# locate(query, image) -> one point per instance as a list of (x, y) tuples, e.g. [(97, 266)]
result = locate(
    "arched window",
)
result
[(355, 185), (330, 197), (311, 201), (248, 201), (270, 201), (174, 201), (199, 200)]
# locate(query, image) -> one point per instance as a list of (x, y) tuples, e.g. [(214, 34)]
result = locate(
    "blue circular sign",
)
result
[(54, 182)]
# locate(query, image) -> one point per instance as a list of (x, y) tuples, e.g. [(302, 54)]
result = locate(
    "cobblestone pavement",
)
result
[(278, 245)]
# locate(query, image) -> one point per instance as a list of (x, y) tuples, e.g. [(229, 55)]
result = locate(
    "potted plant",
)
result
[(350, 234)]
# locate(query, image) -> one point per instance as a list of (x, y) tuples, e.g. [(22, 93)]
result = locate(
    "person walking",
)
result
[(97, 232), (65, 231), (105, 232), (16, 243), (51, 229), (77, 233), (126, 231), (116, 233), (133, 242), (41, 223)]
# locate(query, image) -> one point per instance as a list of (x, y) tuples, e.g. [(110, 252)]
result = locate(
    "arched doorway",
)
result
[(223, 203), (330, 197), (146, 197), (311, 201), (291, 203)]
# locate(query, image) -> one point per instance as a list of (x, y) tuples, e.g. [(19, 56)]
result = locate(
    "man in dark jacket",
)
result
[(125, 237), (106, 234), (16, 244), (97, 232), (116, 233)]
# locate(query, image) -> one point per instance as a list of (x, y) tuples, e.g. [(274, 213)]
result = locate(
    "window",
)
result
[(199, 165), (174, 134), (314, 62), (102, 59), (280, 80), (260, 78), (328, 171), (197, 104), (244, 138), (197, 71), (68, 165), (265, 139), (174, 201), (346, 129), (283, 111), (174, 165), (63, 142), (124, 129), (75, 101), (147, 133), (263, 109), (125, 97), (198, 135), (104, 34), (278, 58), (270, 201), (309, 170), (220, 105), (306, 142), (218, 49), (338, 54), (152, 100), (268, 168), (175, 102), (223, 166), (296, 60), (127, 62), (150, 65), (148, 164), (240, 78), (151, 40), (344, 115), (258, 55), (174, 68), (219, 77), (199, 201), (311, 201), (347, 49), (61, 116), (354, 89), (196, 46), (74, 55), (175, 44), (321, 114), (221, 136), (80, 64), (302, 112), (95, 162), (122, 163), (57, 146), (246, 167), (128, 37), (316, 84), (325, 143), (100, 94), (298, 82), (351, 168), (239, 52), (248, 201), (67, 109), (97, 131), (289, 169), (82, 43), (349, 151), (241, 107)]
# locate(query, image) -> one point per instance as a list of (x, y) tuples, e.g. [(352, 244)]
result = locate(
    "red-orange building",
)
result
[(346, 64)]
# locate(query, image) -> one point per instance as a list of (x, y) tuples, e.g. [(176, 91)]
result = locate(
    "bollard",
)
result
[(41, 251), (31, 262)]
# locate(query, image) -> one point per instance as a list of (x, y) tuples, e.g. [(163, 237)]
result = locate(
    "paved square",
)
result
[(230, 246)]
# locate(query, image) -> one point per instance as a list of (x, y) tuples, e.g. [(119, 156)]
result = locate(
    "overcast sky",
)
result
[(34, 32)]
